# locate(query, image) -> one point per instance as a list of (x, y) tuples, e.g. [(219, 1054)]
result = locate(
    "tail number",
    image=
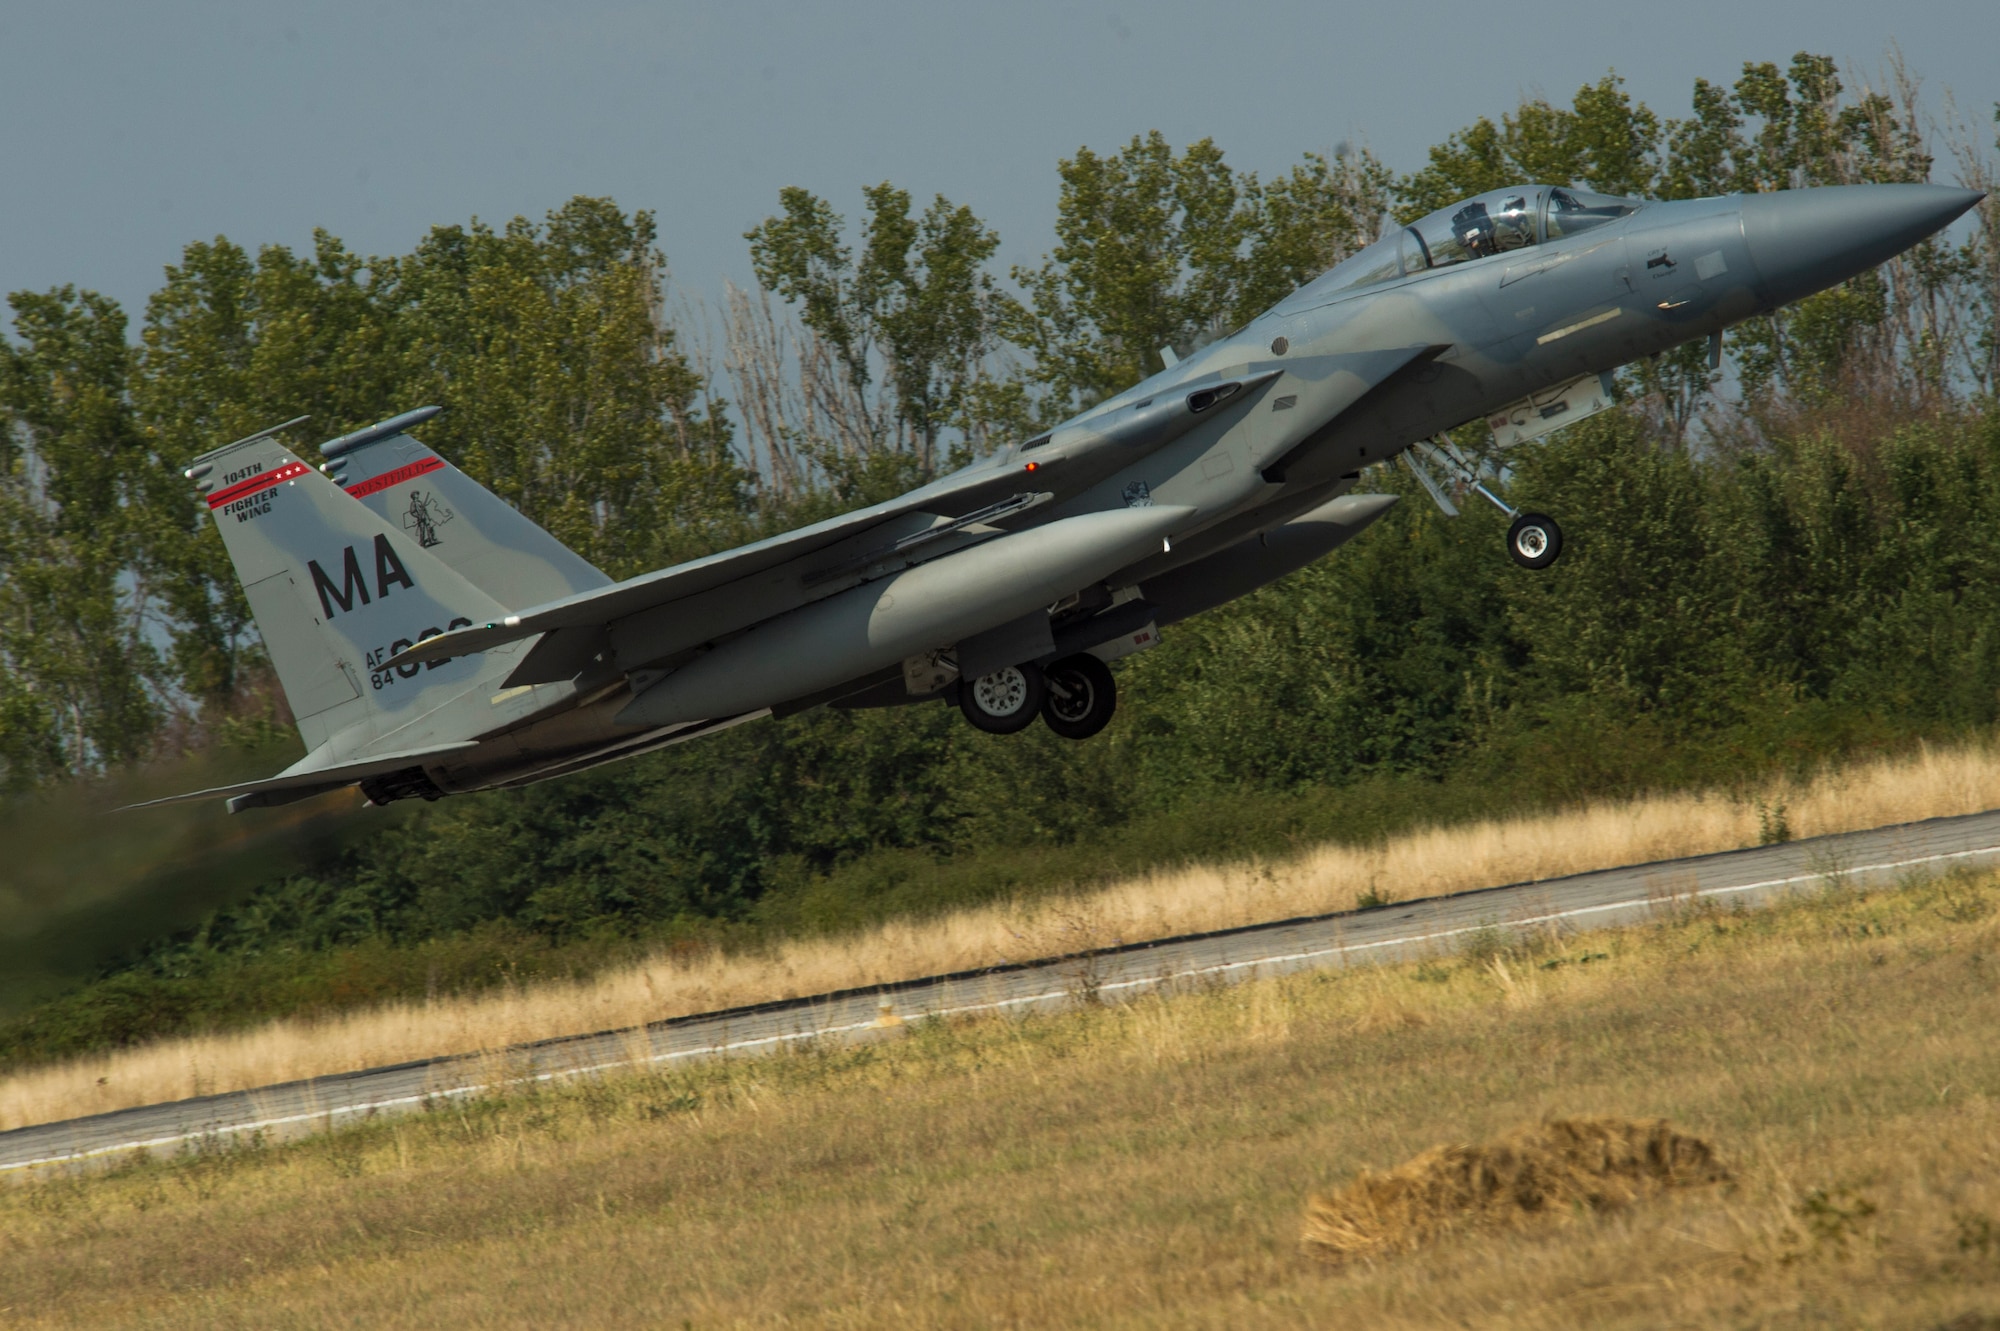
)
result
[(380, 678)]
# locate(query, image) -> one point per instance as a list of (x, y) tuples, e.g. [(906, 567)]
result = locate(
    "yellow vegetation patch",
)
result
[(1929, 783), (1141, 1164), (1562, 1165)]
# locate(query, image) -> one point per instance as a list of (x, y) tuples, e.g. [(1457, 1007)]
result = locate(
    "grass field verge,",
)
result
[(1149, 1164), (1929, 783)]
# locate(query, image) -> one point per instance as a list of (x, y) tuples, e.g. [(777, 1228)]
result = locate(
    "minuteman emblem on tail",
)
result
[(446, 512), (424, 516)]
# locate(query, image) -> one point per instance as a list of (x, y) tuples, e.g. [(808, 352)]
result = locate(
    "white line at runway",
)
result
[(1219, 969)]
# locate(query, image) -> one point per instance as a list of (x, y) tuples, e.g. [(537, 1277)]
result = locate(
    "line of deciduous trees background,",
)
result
[(1806, 562)]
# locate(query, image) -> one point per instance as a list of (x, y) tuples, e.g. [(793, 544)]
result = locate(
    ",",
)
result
[(431, 640)]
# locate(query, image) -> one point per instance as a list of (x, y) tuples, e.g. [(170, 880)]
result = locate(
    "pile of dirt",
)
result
[(1555, 1166)]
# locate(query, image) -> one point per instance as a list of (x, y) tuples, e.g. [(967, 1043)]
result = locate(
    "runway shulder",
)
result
[(431, 640)]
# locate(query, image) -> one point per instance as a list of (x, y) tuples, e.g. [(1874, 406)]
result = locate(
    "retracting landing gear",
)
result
[(1075, 697), (1005, 701), (1082, 696), (1534, 540)]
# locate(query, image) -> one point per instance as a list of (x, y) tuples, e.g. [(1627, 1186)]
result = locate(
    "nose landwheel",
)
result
[(1533, 540)]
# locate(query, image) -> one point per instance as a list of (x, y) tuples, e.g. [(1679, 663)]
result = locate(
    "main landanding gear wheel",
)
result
[(1082, 696), (1005, 701), (1535, 541)]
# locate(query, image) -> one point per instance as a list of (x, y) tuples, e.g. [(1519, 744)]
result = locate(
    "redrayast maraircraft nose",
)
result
[(1806, 240)]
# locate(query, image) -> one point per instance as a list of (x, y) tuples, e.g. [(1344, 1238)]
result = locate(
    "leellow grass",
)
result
[(1151, 1164), (1555, 1169), (1930, 782)]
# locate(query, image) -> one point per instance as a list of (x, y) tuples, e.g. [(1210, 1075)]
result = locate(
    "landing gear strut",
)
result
[(1534, 540), (1082, 696), (1005, 701)]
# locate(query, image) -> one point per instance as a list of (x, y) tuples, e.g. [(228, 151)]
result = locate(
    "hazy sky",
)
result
[(128, 130)]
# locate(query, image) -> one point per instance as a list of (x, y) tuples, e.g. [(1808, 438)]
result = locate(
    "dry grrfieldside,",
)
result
[(1929, 783), (1537, 1172), (1146, 1164)]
